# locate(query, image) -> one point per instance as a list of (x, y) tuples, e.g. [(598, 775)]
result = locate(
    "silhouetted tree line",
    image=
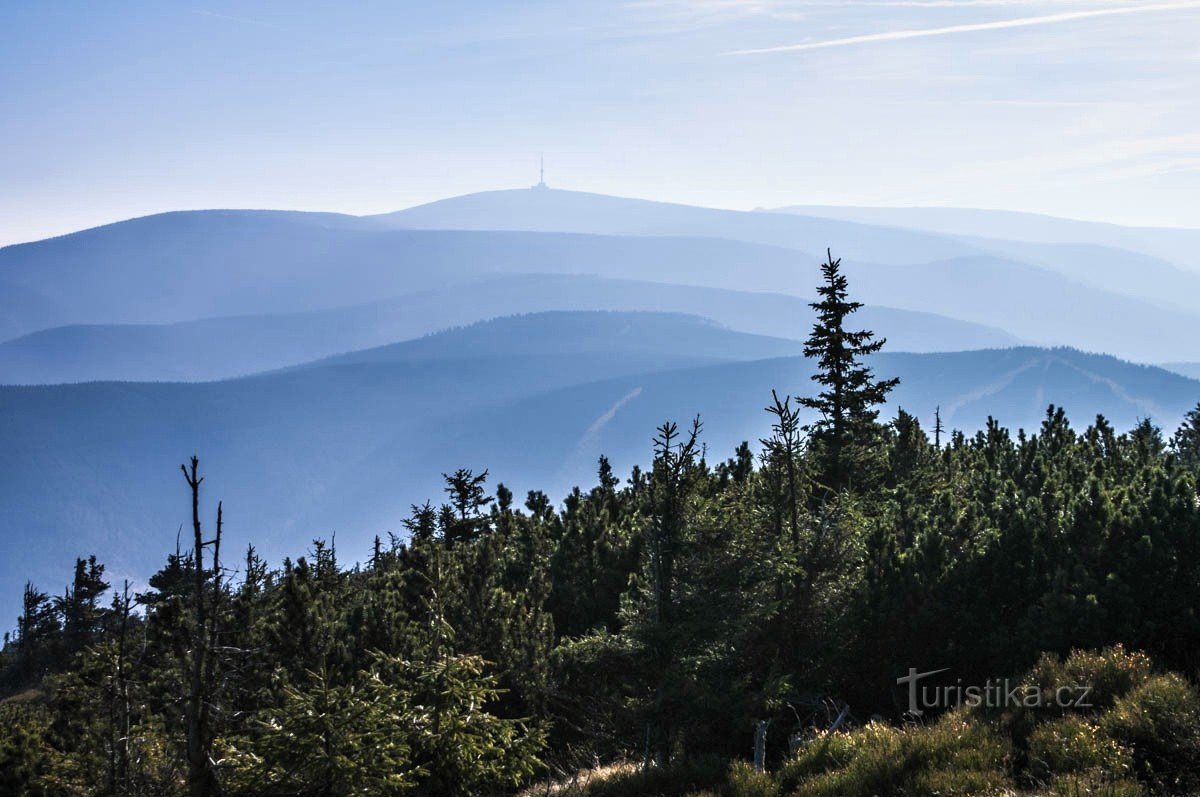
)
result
[(656, 618)]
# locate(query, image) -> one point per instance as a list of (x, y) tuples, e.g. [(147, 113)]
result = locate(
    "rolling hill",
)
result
[(1033, 303), (1190, 370), (345, 448), (553, 210), (199, 265), (1113, 270), (558, 333), (221, 348), (1176, 245), (186, 266), (1077, 294)]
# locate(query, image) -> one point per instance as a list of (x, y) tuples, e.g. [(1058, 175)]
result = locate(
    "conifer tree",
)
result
[(781, 454), (1186, 442), (80, 608), (675, 458), (37, 628), (463, 519), (850, 393)]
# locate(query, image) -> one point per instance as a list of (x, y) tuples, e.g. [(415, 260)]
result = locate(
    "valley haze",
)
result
[(326, 365), (600, 399)]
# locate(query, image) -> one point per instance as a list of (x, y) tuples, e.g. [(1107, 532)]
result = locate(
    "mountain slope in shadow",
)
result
[(186, 266), (1177, 245), (553, 210), (220, 348), (346, 448)]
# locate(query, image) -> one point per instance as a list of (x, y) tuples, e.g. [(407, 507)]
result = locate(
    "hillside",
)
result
[(1110, 269), (1173, 244), (220, 348), (1190, 370), (1033, 303), (186, 266), (561, 332), (553, 210), (347, 448), (1077, 293)]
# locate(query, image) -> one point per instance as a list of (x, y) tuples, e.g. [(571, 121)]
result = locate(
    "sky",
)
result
[(1083, 108)]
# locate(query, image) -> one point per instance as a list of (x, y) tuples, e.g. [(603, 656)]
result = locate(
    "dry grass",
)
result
[(627, 779), (26, 696)]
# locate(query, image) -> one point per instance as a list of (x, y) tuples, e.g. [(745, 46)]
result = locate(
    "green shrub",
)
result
[(1091, 785), (24, 754), (746, 781), (1074, 745), (955, 756), (828, 751), (631, 780), (1107, 674), (1160, 722), (958, 782)]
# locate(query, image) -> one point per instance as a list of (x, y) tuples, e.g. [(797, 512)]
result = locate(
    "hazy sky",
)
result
[(1085, 108)]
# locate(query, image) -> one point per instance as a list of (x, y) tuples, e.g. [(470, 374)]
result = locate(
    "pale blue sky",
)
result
[(1082, 108)]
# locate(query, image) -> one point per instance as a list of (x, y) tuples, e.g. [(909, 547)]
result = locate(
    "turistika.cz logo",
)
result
[(1002, 693)]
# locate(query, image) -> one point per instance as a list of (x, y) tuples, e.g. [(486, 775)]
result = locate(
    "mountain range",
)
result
[(343, 446), (1172, 244), (199, 266), (328, 368), (217, 348)]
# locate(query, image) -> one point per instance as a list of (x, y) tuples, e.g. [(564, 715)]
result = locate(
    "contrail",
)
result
[(1022, 22), (243, 20)]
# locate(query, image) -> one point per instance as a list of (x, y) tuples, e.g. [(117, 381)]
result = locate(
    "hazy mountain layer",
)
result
[(185, 266), (226, 347), (1181, 246), (1049, 304), (551, 210), (561, 332), (1190, 370), (1033, 303), (1110, 269), (346, 448), (191, 265)]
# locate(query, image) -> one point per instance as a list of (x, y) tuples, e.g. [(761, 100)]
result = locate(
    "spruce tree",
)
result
[(37, 630), (463, 519), (1186, 442), (782, 452), (850, 392), (80, 607)]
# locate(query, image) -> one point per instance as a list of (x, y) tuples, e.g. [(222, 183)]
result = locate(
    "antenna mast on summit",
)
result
[(541, 171)]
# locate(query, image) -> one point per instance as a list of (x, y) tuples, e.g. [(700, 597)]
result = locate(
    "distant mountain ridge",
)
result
[(1033, 303), (553, 210), (371, 356), (1175, 244), (221, 348), (346, 447), (562, 332), (186, 267)]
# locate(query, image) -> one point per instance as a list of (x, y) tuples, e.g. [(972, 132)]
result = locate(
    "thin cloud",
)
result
[(242, 20), (1023, 22)]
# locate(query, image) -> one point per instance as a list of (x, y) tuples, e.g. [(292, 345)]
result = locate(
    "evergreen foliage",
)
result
[(849, 391), (658, 620)]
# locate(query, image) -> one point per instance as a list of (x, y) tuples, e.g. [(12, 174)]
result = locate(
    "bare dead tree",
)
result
[(120, 711), (202, 778)]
